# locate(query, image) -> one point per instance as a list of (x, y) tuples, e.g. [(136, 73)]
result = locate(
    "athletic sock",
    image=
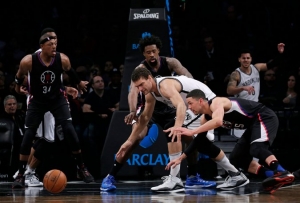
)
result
[(265, 172), (226, 165), (275, 166), (115, 169), (175, 171)]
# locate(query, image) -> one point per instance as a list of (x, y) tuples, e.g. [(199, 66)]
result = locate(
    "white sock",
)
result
[(175, 171), (225, 164)]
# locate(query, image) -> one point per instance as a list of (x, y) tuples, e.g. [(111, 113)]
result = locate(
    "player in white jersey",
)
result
[(244, 82), (173, 91), (188, 84), (251, 79)]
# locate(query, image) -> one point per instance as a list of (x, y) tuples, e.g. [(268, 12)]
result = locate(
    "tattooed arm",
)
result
[(177, 67), (234, 80)]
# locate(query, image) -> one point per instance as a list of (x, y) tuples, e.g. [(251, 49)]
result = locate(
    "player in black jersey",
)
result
[(260, 124), (44, 70)]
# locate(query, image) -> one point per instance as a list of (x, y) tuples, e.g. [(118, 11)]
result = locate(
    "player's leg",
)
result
[(39, 150), (263, 134), (173, 182), (34, 115), (193, 179), (235, 177), (126, 150), (61, 113)]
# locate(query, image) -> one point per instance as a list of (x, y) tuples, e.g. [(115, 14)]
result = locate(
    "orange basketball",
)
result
[(55, 181)]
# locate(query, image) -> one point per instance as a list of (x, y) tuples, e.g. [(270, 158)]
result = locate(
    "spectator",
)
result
[(121, 69), (115, 84), (18, 118), (109, 66), (290, 95), (213, 63), (98, 108), (270, 90)]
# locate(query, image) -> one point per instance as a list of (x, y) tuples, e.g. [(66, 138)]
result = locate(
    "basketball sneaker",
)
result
[(297, 174), (170, 183), (278, 180), (234, 180), (34, 181), (85, 175), (198, 182), (108, 183), (19, 181)]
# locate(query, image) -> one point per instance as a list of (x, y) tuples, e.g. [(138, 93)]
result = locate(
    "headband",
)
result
[(47, 39)]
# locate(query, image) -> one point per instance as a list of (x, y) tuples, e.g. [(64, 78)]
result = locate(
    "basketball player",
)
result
[(172, 91), (45, 137), (159, 66), (44, 70), (245, 83), (260, 123)]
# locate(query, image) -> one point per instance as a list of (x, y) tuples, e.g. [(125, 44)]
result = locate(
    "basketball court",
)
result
[(139, 191)]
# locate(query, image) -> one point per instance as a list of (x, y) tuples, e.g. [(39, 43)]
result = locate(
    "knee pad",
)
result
[(260, 150), (151, 136)]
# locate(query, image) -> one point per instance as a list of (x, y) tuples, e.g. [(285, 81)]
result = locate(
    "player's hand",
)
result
[(249, 89), (123, 149), (184, 131), (72, 92), (280, 47), (131, 116), (23, 90), (173, 163), (82, 86), (174, 133)]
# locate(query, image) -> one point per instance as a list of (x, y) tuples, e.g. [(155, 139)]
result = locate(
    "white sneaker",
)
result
[(34, 181), (170, 183), (27, 176), (232, 182)]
